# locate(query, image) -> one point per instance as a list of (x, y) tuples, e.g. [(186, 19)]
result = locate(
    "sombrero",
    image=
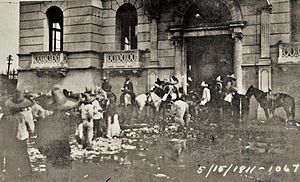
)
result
[(17, 101), (203, 84), (218, 79), (88, 98), (174, 79), (231, 76), (159, 82), (59, 101)]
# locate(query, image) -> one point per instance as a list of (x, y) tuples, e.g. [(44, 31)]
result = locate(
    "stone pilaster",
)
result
[(264, 63), (178, 64), (154, 42), (237, 35)]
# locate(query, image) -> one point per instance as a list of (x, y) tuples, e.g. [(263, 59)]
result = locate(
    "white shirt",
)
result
[(97, 110), (23, 130), (205, 96), (87, 111)]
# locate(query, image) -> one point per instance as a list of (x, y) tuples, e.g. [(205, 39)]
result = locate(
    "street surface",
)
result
[(250, 151)]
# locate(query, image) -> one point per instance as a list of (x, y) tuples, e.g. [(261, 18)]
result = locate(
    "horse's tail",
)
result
[(293, 108)]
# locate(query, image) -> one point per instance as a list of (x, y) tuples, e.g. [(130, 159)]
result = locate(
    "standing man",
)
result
[(205, 94), (54, 135), (97, 111), (15, 127), (87, 113), (230, 88)]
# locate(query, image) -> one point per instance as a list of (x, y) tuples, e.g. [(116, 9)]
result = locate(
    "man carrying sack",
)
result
[(54, 133)]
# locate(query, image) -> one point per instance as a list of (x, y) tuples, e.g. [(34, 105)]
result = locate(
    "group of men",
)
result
[(218, 90), (221, 89), (52, 129), (98, 118)]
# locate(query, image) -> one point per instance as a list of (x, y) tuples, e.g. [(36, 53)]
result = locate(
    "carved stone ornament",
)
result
[(129, 72), (53, 73), (177, 41), (238, 35)]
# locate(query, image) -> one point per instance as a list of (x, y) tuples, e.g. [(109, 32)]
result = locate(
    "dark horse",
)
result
[(219, 109), (270, 104), (237, 110)]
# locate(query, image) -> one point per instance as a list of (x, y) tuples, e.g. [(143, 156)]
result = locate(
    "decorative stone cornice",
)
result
[(123, 72), (54, 73), (241, 23)]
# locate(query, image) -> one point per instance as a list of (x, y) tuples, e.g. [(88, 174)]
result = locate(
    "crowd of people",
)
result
[(98, 118), (51, 120)]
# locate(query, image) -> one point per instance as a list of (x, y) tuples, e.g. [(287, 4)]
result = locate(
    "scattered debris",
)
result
[(161, 175)]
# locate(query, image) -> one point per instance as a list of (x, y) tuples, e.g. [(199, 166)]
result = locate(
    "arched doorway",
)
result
[(207, 37), (208, 55)]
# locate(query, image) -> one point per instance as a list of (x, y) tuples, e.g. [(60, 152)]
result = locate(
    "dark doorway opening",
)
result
[(209, 57)]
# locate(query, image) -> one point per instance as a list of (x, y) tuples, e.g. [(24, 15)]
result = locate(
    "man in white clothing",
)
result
[(205, 94), (97, 118)]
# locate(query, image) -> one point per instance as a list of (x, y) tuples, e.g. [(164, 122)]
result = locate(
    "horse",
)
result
[(126, 106), (158, 99), (180, 110), (269, 105), (237, 108), (152, 98), (193, 101), (108, 103)]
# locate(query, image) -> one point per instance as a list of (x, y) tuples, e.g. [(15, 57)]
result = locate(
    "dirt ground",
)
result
[(227, 152)]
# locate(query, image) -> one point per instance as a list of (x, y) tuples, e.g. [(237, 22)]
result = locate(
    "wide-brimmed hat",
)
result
[(59, 101), (90, 91), (18, 101), (159, 82), (204, 84), (231, 76), (88, 98), (218, 79), (174, 79)]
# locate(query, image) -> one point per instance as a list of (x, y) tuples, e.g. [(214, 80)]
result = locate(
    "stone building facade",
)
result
[(75, 43)]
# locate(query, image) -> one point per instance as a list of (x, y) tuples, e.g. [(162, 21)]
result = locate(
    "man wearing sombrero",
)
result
[(231, 81), (87, 111), (54, 133), (230, 88), (15, 127), (205, 94)]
